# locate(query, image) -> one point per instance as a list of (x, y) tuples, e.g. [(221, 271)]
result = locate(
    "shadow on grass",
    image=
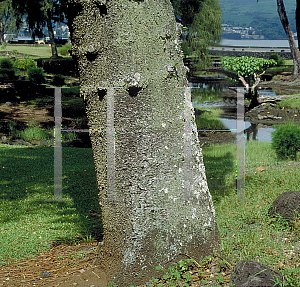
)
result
[(216, 169), (26, 182)]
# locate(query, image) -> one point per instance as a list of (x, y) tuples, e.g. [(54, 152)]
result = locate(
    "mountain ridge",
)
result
[(261, 15)]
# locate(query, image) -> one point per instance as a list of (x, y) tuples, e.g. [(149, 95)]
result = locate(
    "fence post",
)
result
[(240, 145), (57, 145)]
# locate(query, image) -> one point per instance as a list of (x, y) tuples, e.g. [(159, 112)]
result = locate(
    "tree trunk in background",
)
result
[(286, 26), (152, 186), (298, 21), (51, 36)]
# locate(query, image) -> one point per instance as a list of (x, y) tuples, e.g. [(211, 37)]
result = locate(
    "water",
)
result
[(208, 95), (256, 43)]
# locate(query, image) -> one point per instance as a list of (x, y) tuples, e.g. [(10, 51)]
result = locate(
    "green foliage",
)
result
[(286, 141), (58, 80), (7, 71), (262, 16), (246, 66), (73, 107), (36, 76), (202, 21), (6, 64), (277, 58), (23, 64), (64, 50), (175, 274), (70, 91), (34, 133), (8, 24)]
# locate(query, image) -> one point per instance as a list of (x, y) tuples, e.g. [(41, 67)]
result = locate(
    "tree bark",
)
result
[(153, 191), (297, 14), (51, 36), (286, 26)]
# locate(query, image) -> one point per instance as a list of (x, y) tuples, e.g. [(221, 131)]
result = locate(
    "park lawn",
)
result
[(27, 220), (246, 230), (41, 51), (292, 102)]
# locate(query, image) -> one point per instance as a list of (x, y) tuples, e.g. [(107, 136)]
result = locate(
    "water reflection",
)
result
[(207, 95)]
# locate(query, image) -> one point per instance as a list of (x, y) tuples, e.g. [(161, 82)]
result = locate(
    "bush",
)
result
[(7, 71), (6, 64), (36, 76), (7, 74), (58, 80), (286, 141), (24, 64), (277, 58), (33, 132), (64, 50)]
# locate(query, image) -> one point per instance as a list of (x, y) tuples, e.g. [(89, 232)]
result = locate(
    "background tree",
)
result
[(38, 14), (249, 71), (202, 19), (154, 197), (289, 33), (297, 14), (7, 20)]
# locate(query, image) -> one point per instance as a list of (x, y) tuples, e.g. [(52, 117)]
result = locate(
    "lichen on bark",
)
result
[(133, 50)]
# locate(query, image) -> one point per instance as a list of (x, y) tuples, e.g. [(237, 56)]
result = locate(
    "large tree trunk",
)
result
[(286, 26), (152, 186)]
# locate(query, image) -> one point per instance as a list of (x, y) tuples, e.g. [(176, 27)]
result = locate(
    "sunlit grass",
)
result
[(41, 51), (246, 230), (27, 219), (209, 119), (292, 102)]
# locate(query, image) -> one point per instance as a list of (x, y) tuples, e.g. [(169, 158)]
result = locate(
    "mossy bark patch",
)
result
[(133, 50)]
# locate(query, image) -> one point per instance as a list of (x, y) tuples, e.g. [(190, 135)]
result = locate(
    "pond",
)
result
[(217, 95)]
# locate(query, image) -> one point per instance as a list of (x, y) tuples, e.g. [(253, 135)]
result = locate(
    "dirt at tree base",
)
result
[(68, 265)]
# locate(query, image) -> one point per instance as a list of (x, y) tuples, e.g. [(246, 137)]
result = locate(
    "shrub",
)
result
[(36, 76), (7, 71), (7, 74), (58, 80), (64, 50), (6, 64), (24, 64), (286, 141), (34, 133), (277, 58)]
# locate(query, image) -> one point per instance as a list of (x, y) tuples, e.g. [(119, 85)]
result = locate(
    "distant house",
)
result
[(22, 40), (58, 40)]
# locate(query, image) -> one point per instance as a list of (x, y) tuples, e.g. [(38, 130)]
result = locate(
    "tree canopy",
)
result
[(202, 22), (38, 13), (7, 20), (246, 66)]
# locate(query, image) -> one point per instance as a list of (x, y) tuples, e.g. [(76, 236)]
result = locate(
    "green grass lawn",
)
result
[(247, 232), (27, 220), (41, 51), (292, 102)]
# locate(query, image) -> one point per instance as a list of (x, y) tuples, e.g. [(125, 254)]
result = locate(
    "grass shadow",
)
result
[(220, 166), (26, 183)]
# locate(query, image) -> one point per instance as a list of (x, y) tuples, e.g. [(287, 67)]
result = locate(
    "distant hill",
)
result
[(262, 16)]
